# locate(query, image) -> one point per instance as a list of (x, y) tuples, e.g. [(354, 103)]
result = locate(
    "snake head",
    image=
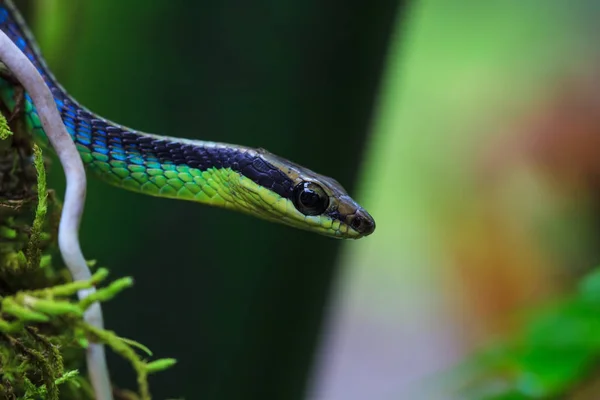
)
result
[(313, 202)]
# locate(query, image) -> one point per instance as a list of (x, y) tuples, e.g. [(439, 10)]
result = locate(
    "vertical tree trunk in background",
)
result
[(239, 302)]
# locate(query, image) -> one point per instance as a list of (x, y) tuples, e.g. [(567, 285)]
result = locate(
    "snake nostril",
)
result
[(357, 223), (362, 224)]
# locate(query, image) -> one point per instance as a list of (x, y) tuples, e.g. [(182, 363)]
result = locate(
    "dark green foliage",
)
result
[(555, 353)]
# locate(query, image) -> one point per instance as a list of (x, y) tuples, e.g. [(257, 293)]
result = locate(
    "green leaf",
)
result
[(137, 345), (160, 365)]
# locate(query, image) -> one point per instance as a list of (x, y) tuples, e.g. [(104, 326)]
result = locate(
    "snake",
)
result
[(245, 179)]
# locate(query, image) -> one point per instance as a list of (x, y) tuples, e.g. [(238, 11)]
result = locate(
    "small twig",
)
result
[(68, 230)]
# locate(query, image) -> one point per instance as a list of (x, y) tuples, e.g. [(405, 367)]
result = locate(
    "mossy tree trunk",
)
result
[(35, 355)]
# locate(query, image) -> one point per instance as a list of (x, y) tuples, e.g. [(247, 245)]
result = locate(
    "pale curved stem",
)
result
[(68, 230)]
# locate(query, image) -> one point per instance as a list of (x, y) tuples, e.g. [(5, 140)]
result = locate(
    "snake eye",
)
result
[(310, 198)]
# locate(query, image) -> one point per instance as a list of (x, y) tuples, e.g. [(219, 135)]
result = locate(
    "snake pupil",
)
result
[(310, 199)]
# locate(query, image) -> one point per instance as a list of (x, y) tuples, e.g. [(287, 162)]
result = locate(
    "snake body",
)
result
[(244, 179)]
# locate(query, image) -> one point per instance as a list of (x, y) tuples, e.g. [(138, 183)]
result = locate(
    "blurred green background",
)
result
[(468, 129)]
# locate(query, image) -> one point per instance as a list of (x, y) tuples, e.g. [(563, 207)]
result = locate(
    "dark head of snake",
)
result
[(313, 202)]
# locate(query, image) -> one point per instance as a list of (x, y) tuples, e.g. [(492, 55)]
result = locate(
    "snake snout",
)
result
[(362, 222)]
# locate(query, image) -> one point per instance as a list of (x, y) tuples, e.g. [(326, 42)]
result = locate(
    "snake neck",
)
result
[(213, 173)]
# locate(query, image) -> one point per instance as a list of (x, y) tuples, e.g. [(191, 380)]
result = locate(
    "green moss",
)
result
[(5, 131), (42, 332), (33, 251)]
